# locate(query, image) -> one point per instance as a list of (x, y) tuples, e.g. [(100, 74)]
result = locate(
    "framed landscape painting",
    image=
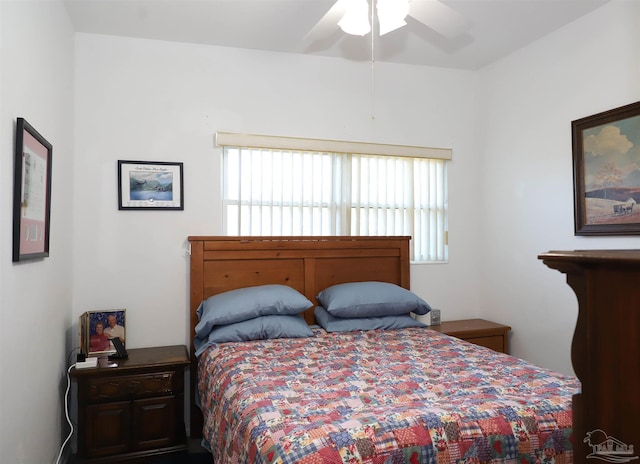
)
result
[(606, 172)]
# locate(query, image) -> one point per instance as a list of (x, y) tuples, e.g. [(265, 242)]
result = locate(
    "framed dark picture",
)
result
[(31, 193), (606, 172), (150, 185)]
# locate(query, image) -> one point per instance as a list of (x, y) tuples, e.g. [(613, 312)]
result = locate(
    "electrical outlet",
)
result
[(435, 317)]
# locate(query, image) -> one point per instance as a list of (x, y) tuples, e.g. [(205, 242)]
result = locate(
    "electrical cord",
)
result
[(78, 349), (66, 411)]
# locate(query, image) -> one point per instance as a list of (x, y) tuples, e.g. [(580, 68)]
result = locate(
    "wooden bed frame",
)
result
[(308, 264)]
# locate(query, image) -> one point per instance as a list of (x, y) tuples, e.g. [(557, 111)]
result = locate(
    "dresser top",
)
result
[(139, 358), (630, 256)]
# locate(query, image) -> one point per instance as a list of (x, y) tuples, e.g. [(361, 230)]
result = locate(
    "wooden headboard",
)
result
[(308, 264)]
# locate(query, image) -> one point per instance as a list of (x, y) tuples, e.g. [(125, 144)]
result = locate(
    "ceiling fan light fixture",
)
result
[(391, 14), (356, 20)]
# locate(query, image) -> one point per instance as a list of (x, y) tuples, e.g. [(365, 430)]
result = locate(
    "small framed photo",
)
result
[(98, 329), (606, 172), (31, 193), (147, 185)]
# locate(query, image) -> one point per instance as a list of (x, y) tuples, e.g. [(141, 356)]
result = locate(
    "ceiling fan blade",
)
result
[(440, 17), (328, 24)]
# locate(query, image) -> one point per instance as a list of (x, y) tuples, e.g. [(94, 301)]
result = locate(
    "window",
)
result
[(304, 190)]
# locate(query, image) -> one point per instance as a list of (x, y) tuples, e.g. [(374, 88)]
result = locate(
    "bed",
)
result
[(390, 394)]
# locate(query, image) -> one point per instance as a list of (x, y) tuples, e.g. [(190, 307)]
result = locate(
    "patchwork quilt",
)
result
[(396, 396)]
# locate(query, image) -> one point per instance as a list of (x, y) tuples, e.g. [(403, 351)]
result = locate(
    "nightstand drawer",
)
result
[(478, 331), (496, 343), (134, 386)]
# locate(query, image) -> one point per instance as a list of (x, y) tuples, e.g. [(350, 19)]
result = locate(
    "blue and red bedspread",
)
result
[(397, 396)]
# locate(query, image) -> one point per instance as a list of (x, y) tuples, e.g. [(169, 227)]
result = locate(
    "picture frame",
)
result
[(150, 185), (31, 193), (99, 327), (606, 172)]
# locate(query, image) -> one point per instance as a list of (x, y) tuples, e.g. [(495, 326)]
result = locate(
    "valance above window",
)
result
[(225, 139)]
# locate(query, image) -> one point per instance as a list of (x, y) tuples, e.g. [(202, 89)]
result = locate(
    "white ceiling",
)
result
[(498, 27)]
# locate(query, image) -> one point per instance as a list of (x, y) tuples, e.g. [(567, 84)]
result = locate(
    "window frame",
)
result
[(227, 140)]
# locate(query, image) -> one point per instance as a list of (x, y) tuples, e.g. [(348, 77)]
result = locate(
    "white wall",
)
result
[(36, 82), (152, 100), (528, 101)]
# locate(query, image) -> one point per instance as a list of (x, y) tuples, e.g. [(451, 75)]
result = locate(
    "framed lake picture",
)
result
[(606, 172), (150, 185)]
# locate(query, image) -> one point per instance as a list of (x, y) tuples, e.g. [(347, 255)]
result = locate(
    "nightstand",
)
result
[(477, 331), (133, 411)]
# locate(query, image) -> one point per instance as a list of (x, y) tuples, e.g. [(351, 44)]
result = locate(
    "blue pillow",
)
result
[(260, 328), (371, 299), (248, 303), (349, 324)]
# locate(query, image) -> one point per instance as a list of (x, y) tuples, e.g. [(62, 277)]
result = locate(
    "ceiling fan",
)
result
[(352, 16)]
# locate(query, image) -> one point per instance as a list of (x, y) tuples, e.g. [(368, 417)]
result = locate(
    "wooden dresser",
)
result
[(605, 352), (477, 331), (132, 412)]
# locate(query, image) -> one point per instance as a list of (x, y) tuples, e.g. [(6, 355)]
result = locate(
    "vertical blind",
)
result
[(269, 191)]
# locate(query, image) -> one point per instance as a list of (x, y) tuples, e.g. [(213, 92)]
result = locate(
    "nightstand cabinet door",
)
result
[(107, 428), (154, 421)]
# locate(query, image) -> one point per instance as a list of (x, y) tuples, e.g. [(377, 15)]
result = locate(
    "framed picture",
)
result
[(31, 193), (606, 172), (99, 328), (150, 185)]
